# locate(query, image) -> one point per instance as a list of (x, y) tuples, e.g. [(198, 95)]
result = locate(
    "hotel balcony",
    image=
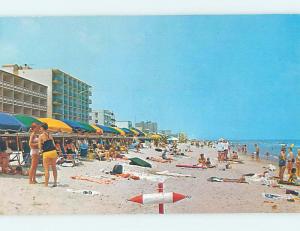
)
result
[(57, 111), (57, 79), (57, 100)]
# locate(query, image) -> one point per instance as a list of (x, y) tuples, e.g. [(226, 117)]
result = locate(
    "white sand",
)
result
[(17, 197)]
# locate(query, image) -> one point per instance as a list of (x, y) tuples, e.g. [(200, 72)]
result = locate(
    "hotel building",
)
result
[(124, 124), (103, 117), (22, 96), (68, 97)]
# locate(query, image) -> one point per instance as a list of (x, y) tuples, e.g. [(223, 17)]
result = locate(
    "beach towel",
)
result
[(139, 162), (167, 173), (84, 192), (92, 179), (190, 166)]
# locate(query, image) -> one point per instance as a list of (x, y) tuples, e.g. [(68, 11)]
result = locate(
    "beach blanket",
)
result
[(139, 162), (229, 180), (190, 166), (167, 173), (92, 179), (84, 192), (149, 177), (158, 160)]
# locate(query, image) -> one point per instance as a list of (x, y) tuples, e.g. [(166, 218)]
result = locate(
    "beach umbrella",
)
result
[(107, 129), (122, 133), (128, 131), (56, 125), (155, 137), (10, 123), (27, 121), (74, 125), (98, 130), (87, 127), (140, 133)]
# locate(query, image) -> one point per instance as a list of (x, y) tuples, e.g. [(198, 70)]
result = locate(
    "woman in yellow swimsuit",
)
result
[(47, 146)]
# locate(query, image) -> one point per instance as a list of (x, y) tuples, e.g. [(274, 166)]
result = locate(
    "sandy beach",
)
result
[(20, 198)]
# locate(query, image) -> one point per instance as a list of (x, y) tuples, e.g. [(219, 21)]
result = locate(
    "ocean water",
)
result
[(271, 146)]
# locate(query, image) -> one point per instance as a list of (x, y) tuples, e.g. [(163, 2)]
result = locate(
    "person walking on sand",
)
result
[(291, 161), (34, 152), (47, 147), (282, 164), (256, 151)]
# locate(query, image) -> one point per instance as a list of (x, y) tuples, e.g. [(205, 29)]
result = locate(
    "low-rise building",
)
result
[(22, 96)]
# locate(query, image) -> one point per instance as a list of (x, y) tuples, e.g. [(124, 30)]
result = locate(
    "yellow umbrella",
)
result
[(98, 130), (122, 133), (135, 132), (155, 137), (56, 125)]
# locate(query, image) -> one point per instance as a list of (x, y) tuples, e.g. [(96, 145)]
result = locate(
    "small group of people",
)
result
[(291, 163), (42, 143), (223, 150), (204, 162)]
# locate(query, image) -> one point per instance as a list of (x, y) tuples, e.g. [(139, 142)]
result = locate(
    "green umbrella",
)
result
[(27, 120), (87, 127)]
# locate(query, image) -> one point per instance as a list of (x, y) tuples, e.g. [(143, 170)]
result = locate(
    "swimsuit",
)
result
[(34, 151), (49, 150)]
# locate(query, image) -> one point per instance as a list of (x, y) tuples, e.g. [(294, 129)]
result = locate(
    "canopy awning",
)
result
[(56, 125), (10, 123), (27, 121)]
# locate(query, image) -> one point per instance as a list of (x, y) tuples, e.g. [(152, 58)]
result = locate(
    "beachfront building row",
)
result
[(148, 126), (124, 124), (105, 117), (22, 96), (68, 97)]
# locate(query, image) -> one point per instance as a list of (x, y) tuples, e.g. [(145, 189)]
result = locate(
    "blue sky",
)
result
[(210, 76)]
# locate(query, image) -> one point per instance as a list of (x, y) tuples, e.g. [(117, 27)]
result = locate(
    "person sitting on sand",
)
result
[(234, 155), (293, 177), (70, 151), (201, 160), (209, 164)]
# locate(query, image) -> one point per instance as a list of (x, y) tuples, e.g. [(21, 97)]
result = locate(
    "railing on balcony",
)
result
[(57, 111)]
